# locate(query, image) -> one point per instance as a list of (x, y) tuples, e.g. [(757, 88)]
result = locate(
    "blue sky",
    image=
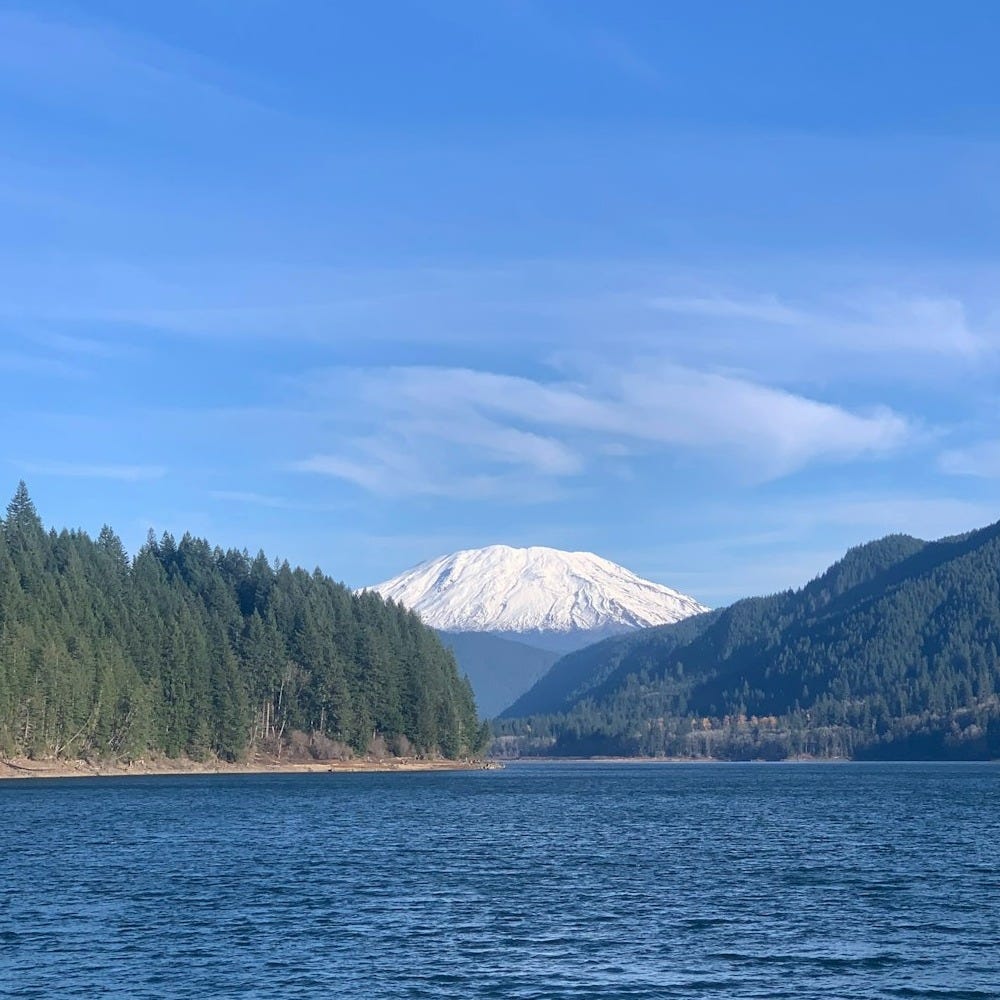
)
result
[(709, 289)]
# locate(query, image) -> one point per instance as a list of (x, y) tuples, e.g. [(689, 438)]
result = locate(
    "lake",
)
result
[(538, 881)]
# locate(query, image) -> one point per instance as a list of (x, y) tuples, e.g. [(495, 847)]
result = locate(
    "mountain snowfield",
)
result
[(536, 590)]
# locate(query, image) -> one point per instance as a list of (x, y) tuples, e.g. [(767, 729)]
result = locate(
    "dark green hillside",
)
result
[(893, 651), (192, 650), (593, 670)]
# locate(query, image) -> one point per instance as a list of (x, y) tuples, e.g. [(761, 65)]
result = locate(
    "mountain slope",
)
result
[(892, 651), (542, 602), (502, 589), (585, 672), (499, 669)]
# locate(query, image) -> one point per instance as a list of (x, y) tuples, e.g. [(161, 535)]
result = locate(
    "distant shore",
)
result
[(23, 767), (800, 759)]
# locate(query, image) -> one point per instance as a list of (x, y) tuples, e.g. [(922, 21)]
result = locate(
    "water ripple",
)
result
[(560, 881)]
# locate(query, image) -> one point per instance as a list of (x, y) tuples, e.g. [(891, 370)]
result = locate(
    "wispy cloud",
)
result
[(252, 499), (435, 430), (74, 470), (802, 330), (981, 459), (385, 467), (661, 403), (850, 322), (255, 499), (107, 71), (917, 323), (496, 442), (765, 309), (33, 364), (81, 347)]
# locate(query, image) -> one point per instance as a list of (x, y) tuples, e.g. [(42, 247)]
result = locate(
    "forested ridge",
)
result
[(192, 650), (892, 652)]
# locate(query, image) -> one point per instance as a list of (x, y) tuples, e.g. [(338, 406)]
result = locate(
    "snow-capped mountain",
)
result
[(537, 592)]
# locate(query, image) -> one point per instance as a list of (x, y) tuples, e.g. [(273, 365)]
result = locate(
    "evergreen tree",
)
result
[(192, 650)]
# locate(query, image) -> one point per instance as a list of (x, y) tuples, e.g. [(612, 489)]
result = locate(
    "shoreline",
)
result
[(698, 761), (670, 760), (23, 768)]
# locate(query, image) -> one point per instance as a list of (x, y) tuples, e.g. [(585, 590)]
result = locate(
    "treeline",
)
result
[(894, 651), (192, 650)]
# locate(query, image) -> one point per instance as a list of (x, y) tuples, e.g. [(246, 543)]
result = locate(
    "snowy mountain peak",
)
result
[(537, 589)]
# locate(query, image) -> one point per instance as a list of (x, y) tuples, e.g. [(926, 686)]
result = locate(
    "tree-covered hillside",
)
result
[(892, 652), (192, 650), (594, 670)]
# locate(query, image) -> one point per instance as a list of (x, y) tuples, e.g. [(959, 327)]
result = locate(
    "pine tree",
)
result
[(189, 649)]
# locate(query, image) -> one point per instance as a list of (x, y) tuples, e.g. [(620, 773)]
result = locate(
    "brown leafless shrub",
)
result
[(299, 744), (323, 748)]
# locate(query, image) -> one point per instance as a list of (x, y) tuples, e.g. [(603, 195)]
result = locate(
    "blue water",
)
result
[(639, 881)]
